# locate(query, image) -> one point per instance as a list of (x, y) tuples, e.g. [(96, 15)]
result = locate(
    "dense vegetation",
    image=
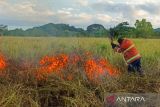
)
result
[(142, 29)]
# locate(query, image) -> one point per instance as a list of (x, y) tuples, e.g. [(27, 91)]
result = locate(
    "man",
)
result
[(130, 53)]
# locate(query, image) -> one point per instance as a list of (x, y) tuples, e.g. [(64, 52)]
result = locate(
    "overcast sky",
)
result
[(80, 13)]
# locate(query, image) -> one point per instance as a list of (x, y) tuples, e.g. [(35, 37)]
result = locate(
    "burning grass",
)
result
[(3, 64), (52, 64), (94, 69), (67, 78), (67, 68)]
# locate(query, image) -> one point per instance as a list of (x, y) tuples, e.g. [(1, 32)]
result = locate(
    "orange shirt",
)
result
[(129, 51)]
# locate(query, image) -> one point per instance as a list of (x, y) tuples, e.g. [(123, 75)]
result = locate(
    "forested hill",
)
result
[(157, 30), (142, 29), (59, 30)]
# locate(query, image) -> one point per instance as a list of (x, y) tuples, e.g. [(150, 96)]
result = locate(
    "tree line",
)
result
[(141, 29)]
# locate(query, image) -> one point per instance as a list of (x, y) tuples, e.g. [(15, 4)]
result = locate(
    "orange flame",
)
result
[(74, 59), (97, 69), (94, 69), (2, 64), (52, 64)]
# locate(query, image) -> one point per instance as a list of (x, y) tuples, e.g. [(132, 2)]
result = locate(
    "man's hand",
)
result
[(113, 45)]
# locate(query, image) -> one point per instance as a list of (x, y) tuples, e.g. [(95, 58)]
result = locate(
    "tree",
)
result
[(143, 28), (3, 28), (122, 29)]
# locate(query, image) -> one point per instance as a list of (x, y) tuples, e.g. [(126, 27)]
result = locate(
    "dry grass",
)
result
[(19, 88)]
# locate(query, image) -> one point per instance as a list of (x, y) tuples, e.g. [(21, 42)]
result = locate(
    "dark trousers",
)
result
[(135, 67)]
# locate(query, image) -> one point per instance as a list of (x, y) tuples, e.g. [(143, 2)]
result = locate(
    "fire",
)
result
[(52, 64), (2, 64), (63, 65), (94, 69), (74, 59)]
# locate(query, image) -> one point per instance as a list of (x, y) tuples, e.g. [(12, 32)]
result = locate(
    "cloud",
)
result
[(139, 1), (81, 18), (27, 11), (129, 11), (152, 8), (104, 18), (78, 12), (82, 2), (69, 16), (68, 9)]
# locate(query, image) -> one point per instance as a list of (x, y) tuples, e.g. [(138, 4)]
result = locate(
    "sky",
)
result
[(79, 13)]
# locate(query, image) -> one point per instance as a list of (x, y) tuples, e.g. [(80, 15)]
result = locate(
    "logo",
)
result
[(111, 99), (130, 99), (137, 100)]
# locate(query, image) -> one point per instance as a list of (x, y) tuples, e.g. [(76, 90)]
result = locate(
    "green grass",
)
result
[(20, 89)]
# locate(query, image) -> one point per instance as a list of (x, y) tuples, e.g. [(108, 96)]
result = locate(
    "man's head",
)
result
[(120, 40)]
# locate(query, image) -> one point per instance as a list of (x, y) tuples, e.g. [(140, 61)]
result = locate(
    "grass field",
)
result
[(20, 89)]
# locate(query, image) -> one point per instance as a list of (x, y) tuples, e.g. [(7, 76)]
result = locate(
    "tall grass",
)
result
[(20, 89)]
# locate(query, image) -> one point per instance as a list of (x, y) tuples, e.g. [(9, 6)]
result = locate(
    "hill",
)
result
[(59, 30), (157, 30)]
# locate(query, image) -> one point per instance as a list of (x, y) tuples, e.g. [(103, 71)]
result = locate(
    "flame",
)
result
[(52, 64), (93, 69), (74, 59), (97, 69), (61, 64), (2, 64)]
